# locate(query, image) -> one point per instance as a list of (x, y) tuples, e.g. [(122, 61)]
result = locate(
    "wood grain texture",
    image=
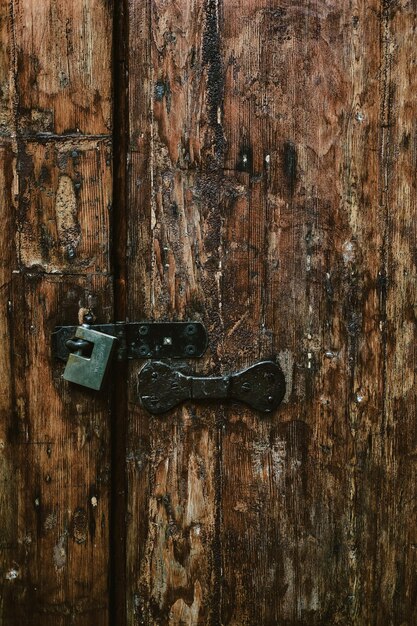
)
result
[(63, 66), (171, 463), (267, 151), (55, 211), (394, 561), (64, 205), (273, 168), (278, 509), (61, 440), (8, 462)]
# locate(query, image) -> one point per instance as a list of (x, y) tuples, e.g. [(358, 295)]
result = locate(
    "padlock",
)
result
[(90, 371)]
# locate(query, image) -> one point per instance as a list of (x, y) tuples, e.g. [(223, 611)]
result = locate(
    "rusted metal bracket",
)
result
[(161, 387), (139, 340)]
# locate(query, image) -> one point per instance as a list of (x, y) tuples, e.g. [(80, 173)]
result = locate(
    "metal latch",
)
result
[(141, 340), (161, 387), (88, 349)]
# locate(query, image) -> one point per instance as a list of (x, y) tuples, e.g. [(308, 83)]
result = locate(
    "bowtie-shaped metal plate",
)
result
[(161, 387)]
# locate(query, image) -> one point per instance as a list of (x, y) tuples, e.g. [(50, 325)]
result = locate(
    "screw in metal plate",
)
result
[(190, 329), (144, 350), (143, 330), (190, 349)]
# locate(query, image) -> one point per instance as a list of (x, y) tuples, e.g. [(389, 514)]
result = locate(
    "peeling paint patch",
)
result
[(240, 507), (50, 521), (279, 458), (348, 251), (80, 526), (60, 552), (183, 613), (12, 574), (286, 361), (69, 231)]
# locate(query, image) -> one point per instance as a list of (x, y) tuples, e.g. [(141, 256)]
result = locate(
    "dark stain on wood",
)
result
[(290, 161), (212, 59), (245, 159)]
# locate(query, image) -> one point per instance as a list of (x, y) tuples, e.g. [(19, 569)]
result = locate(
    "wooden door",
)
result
[(250, 164)]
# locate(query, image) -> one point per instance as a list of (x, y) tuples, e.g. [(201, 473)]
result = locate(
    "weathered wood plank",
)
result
[(173, 233), (273, 224), (394, 539), (139, 274), (60, 436), (364, 307), (9, 568), (59, 58), (63, 66), (64, 205), (304, 230), (7, 92), (8, 488)]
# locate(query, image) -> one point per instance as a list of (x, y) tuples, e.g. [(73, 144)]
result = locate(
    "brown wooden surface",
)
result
[(265, 182), (56, 198), (272, 181), (171, 462)]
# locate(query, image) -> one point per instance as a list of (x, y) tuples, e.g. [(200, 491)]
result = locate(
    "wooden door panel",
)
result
[(172, 275), (65, 206), (56, 89), (60, 440), (287, 513), (265, 198), (259, 176), (62, 63)]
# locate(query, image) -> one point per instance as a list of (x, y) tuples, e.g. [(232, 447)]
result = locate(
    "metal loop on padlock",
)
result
[(79, 346)]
